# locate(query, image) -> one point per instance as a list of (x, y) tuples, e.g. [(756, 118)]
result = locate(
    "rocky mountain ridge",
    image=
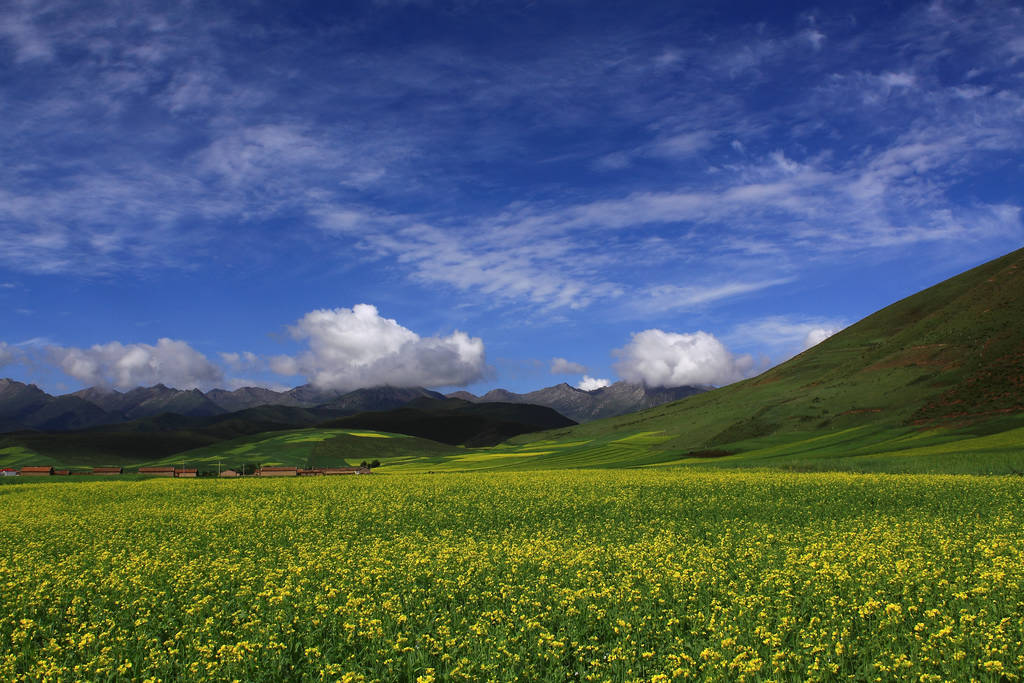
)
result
[(617, 399), (27, 407)]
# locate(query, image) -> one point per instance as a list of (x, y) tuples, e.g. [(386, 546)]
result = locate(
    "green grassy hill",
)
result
[(313, 447), (942, 366)]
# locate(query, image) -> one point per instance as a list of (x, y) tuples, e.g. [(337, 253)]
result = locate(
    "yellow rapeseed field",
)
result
[(553, 576)]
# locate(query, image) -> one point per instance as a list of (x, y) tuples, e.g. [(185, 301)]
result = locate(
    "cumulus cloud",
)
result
[(817, 335), (561, 366), (589, 383), (668, 359), (356, 347), (171, 362)]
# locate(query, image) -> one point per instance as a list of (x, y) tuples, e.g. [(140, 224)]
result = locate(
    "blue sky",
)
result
[(487, 194)]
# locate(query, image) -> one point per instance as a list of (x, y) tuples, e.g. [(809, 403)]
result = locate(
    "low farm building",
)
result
[(157, 471), (35, 471), (229, 474), (8, 472), (278, 471), (107, 470), (186, 472)]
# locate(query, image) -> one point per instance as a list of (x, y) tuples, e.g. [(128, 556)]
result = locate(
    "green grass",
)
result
[(985, 449), (307, 448), (19, 456)]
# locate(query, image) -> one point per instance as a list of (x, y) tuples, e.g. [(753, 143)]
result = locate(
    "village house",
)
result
[(107, 470), (157, 471), (276, 471), (229, 474), (315, 472), (36, 471), (8, 472), (186, 473)]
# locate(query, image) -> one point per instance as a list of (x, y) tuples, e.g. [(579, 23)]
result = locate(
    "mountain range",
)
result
[(27, 407), (584, 406)]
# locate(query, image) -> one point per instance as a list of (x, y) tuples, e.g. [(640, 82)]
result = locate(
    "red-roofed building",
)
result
[(276, 471), (158, 471)]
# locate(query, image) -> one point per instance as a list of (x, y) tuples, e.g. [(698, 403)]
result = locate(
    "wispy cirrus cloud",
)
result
[(784, 336), (530, 177), (8, 355), (561, 366)]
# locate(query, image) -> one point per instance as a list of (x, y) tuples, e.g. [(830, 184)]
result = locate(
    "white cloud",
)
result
[(282, 145), (669, 359), (354, 348), (589, 383), (28, 42), (814, 37), (784, 336), (246, 360), (818, 335), (243, 382), (6, 354), (171, 362), (683, 144), (561, 366), (673, 297), (898, 80), (613, 162), (285, 365)]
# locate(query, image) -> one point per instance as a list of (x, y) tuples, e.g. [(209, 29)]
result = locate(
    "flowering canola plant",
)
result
[(668, 575)]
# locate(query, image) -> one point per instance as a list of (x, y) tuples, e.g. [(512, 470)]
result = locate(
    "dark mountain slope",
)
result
[(148, 401), (454, 421), (26, 406), (250, 397), (378, 398), (160, 435)]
